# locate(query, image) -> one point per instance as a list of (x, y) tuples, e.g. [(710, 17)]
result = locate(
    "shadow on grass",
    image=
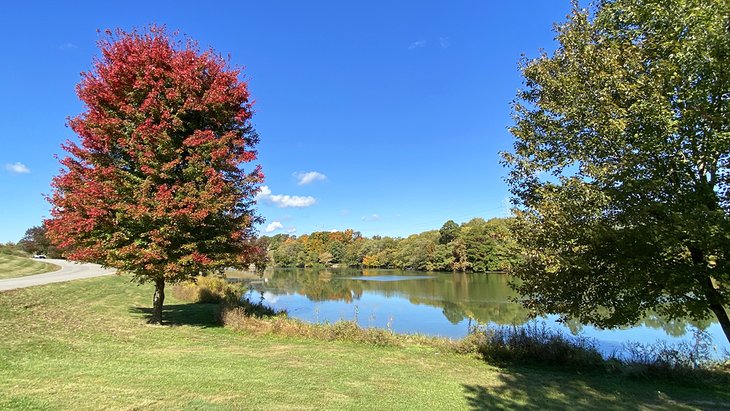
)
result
[(193, 314), (532, 389), (518, 391)]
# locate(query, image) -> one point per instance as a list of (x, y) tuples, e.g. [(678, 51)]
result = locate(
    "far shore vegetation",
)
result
[(475, 246)]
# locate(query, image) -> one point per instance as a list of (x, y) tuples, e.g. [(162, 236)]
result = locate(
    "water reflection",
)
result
[(482, 297), (410, 301)]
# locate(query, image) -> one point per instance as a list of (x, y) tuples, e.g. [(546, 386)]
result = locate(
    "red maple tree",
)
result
[(156, 185)]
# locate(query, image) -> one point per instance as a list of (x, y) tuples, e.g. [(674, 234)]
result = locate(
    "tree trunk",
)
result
[(713, 297), (722, 316), (157, 302)]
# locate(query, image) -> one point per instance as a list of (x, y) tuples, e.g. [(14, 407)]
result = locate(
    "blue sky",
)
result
[(384, 117)]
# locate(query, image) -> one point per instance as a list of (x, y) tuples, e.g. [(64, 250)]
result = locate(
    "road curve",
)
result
[(70, 270)]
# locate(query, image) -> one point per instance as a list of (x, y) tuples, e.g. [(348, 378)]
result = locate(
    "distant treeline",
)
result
[(478, 245)]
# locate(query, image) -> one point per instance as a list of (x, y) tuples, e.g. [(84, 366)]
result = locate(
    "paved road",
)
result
[(69, 271)]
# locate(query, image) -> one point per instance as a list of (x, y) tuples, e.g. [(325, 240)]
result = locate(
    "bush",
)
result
[(207, 290), (683, 360), (241, 318), (536, 343)]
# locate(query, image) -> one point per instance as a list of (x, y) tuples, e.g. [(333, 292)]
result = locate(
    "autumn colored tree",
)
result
[(156, 187), (620, 168)]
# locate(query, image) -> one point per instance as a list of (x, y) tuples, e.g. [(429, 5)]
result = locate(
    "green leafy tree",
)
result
[(448, 232), (354, 252), (325, 258), (286, 253), (480, 245), (620, 165), (415, 251), (337, 249), (442, 258), (461, 257), (504, 252), (36, 241)]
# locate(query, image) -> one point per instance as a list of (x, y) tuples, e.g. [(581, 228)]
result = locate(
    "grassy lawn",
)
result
[(12, 266), (85, 345)]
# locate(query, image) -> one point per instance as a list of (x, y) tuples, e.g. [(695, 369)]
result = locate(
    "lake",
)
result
[(438, 304)]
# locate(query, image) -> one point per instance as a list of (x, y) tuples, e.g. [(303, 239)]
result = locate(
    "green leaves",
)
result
[(620, 162)]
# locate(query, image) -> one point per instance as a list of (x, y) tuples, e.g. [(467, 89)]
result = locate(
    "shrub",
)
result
[(683, 360), (207, 290), (536, 343), (252, 319)]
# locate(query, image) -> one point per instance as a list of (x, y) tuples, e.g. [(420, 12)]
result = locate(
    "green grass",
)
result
[(13, 266), (85, 345)]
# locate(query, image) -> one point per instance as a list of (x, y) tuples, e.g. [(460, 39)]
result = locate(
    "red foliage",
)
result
[(156, 185)]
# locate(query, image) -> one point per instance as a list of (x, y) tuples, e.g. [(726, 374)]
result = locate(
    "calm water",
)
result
[(443, 304)]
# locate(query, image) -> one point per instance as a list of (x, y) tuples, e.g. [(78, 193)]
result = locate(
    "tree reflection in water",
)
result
[(480, 298)]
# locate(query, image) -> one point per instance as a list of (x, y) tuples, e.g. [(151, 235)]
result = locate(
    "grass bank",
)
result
[(85, 345), (12, 266)]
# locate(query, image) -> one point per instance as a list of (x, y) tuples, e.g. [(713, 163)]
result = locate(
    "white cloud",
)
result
[(372, 217), (309, 177), (283, 200), (291, 230), (445, 42), (276, 225), (417, 44), (67, 46), (18, 168)]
